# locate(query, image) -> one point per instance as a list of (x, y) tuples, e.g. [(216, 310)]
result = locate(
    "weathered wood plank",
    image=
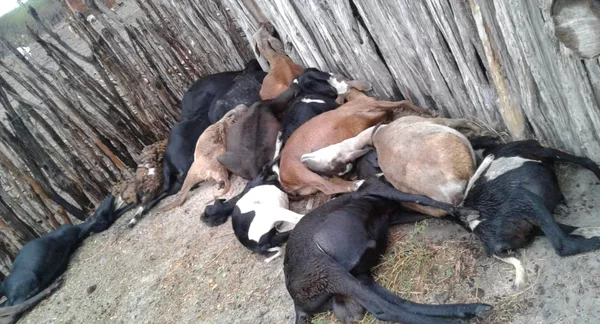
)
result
[(495, 61), (323, 34), (556, 91), (433, 51)]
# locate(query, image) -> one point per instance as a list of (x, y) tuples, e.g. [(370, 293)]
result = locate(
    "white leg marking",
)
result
[(274, 256), (587, 232), (132, 222), (485, 164), (519, 270)]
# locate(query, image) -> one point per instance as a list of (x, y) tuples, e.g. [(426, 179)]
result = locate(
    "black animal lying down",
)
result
[(332, 249), (313, 95), (205, 103), (514, 192), (41, 261), (368, 165), (261, 219)]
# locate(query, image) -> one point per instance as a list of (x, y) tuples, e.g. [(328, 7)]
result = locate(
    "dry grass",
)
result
[(426, 272)]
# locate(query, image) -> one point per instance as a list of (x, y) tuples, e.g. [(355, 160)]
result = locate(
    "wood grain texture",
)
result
[(495, 61), (323, 34), (556, 91)]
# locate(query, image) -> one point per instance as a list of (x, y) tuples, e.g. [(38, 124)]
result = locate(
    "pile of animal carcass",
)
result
[(295, 132)]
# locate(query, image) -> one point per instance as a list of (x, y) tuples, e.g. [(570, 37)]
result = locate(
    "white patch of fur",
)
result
[(347, 169), (118, 203), (308, 100), (270, 206), (519, 270), (268, 195), (274, 256), (132, 222), (503, 165), (295, 81), (474, 223), (278, 145), (340, 87), (452, 189), (587, 232), (357, 184), (327, 158), (151, 171), (276, 171), (480, 170), (269, 217)]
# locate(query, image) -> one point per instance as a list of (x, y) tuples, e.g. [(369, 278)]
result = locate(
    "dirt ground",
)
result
[(171, 268)]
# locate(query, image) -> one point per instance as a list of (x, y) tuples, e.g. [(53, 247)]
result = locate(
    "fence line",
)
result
[(70, 135)]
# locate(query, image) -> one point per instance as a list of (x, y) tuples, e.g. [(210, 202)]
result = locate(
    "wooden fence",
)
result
[(70, 134), (76, 117), (495, 61)]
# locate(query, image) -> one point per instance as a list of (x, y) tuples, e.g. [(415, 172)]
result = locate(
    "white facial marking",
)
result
[(295, 81), (151, 171), (587, 232), (503, 165), (340, 87), (307, 100), (482, 168), (519, 270)]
